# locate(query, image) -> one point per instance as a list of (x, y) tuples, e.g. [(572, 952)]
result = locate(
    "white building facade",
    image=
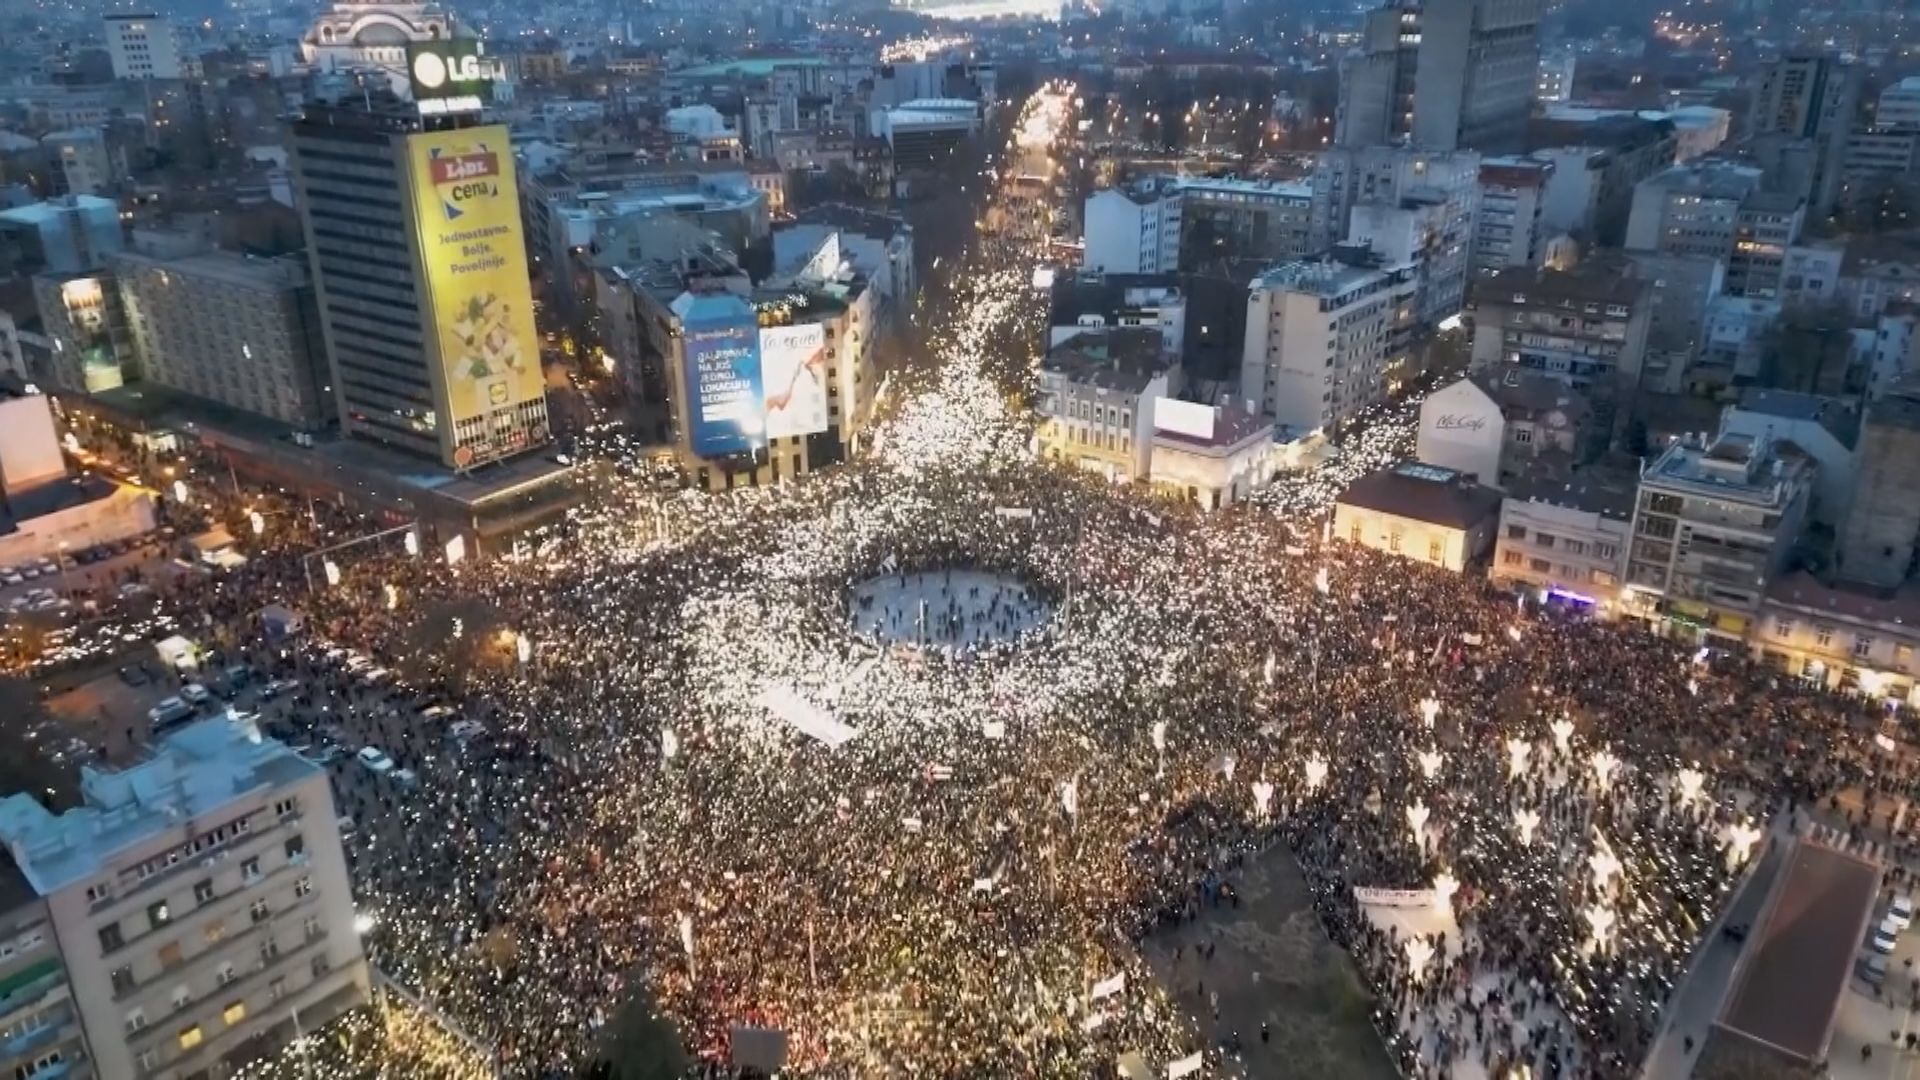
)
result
[(199, 899)]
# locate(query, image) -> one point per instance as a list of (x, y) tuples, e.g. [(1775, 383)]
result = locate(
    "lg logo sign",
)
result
[(433, 71)]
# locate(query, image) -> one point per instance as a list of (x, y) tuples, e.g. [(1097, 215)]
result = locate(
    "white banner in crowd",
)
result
[(1185, 1066), (1020, 512), (994, 729), (1407, 898), (1109, 986)]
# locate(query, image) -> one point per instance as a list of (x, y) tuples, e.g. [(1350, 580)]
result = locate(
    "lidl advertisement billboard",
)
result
[(724, 398), (793, 365), (479, 300)]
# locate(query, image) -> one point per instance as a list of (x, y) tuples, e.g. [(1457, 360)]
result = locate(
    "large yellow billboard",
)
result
[(474, 264)]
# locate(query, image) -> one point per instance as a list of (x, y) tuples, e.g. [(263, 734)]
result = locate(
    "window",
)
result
[(235, 1012), (1433, 550), (259, 911), (1782, 627), (1605, 551), (1539, 566), (1823, 637), (122, 980), (1523, 435), (1862, 645), (110, 938), (277, 989), (250, 870), (1393, 540), (226, 973), (1511, 558), (1574, 547), (1353, 533), (181, 996), (202, 891), (269, 951), (136, 1019), (312, 927), (319, 967), (303, 887), (38, 1065), (285, 807), (149, 1060), (1545, 540), (1902, 655), (216, 930), (1516, 532), (190, 1037), (170, 955), (100, 893), (296, 847)]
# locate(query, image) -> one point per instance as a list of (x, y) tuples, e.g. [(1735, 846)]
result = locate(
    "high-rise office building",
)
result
[(1812, 96), (1443, 75), (146, 46), (414, 234)]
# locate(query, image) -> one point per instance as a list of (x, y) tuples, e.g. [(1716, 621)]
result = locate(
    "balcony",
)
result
[(31, 983)]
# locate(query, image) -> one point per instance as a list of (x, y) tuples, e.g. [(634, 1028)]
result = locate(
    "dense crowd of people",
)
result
[(945, 883)]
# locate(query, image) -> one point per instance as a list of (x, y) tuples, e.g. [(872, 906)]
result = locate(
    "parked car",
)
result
[(1873, 970), (1900, 912), (404, 778), (168, 712), (133, 675), (1885, 937), (375, 759), (196, 693)]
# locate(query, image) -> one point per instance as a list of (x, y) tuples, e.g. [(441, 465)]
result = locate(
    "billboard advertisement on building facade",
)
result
[(793, 367), (474, 264), (724, 396)]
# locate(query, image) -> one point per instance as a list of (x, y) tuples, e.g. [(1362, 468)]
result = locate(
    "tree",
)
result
[(640, 1044)]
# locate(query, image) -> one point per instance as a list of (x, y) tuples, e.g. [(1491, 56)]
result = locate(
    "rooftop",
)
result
[(1840, 418), (1522, 393), (1232, 425), (1731, 466), (193, 773), (1426, 493), (1789, 979), (1326, 278), (1708, 179), (229, 268), (1800, 589), (1120, 358), (1596, 490), (1527, 285)]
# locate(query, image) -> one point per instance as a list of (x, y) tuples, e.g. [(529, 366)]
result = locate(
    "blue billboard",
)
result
[(725, 405)]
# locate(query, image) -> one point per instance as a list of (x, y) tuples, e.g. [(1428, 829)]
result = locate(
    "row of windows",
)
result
[(161, 863)]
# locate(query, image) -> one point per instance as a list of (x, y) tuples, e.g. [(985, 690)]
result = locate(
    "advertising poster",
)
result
[(475, 263), (793, 366), (723, 383)]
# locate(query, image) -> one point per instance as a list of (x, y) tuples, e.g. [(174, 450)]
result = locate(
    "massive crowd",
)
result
[(696, 769)]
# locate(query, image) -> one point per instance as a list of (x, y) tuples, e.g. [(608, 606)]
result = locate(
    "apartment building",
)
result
[(1325, 339), (1566, 538), (1511, 227), (1813, 96), (1133, 230), (1713, 523), (1587, 329), (1097, 398), (1842, 636), (241, 331), (1444, 74), (200, 901), (40, 1035)]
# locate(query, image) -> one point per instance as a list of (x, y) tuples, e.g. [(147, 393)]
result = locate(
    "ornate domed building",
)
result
[(367, 35)]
